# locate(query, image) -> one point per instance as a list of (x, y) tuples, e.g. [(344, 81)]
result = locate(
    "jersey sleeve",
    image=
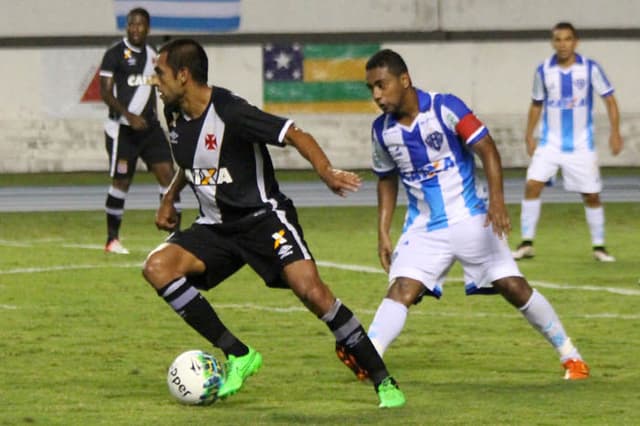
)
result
[(538, 91), (458, 118), (109, 63), (382, 163), (599, 80), (258, 126)]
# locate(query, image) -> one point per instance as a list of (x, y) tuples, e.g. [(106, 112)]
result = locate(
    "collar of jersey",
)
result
[(424, 104), (554, 60), (131, 46)]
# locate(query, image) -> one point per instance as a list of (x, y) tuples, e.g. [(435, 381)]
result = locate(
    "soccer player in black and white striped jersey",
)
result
[(219, 142), (132, 130)]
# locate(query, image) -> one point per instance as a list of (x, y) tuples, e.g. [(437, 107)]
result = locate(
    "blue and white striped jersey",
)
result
[(567, 97), (432, 159)]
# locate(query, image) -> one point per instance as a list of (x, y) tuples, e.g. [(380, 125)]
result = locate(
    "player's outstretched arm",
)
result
[(166, 215), (339, 181), (497, 216)]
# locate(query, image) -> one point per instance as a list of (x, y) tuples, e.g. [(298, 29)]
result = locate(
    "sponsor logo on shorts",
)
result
[(285, 251), (122, 167), (278, 239)]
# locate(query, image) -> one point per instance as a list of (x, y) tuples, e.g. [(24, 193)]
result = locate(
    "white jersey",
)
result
[(433, 159), (567, 97)]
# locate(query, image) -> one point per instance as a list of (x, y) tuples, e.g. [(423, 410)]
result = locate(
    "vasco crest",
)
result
[(434, 140)]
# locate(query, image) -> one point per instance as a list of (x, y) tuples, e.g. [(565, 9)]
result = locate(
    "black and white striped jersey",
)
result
[(131, 69), (225, 157)]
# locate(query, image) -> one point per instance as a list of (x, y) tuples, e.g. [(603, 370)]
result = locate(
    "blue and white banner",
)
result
[(196, 16)]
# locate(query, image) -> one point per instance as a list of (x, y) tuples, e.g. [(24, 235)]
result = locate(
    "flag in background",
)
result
[(202, 16), (316, 78)]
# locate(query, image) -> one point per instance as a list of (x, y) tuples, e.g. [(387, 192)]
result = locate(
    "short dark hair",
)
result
[(139, 11), (565, 26), (189, 54), (387, 58)]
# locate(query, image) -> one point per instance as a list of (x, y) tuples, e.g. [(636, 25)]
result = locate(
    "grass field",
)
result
[(85, 341)]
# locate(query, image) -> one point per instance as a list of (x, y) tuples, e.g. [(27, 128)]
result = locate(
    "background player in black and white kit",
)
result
[(220, 143), (132, 130)]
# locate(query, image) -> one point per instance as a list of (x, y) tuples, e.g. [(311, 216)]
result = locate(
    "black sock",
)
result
[(114, 208), (350, 333), (187, 301)]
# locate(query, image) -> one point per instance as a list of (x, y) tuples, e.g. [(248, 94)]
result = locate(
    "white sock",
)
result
[(541, 315), (529, 215), (595, 220), (387, 324)]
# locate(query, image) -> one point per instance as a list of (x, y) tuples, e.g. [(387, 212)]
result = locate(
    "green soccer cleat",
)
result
[(390, 394), (237, 369)]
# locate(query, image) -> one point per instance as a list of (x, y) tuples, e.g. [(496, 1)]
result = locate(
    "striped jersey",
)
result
[(131, 68), (433, 160), (225, 158), (567, 97)]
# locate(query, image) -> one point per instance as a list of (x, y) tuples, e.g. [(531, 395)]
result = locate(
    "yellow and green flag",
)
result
[(317, 78)]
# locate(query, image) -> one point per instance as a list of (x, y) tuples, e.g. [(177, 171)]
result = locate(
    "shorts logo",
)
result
[(278, 238), (434, 140), (173, 137), (285, 251), (122, 167)]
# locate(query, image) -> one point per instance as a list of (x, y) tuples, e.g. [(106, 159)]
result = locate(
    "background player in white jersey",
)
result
[(563, 90), (132, 130), (220, 145), (428, 140)]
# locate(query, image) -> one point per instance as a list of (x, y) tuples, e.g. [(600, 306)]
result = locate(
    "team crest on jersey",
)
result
[(210, 141), (434, 140), (580, 83)]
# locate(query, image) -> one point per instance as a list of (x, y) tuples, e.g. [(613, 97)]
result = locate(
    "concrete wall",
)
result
[(95, 17), (43, 126)]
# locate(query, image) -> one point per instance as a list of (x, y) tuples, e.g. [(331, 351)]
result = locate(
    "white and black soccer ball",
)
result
[(195, 377)]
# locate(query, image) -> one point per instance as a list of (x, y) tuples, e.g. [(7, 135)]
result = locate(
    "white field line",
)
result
[(542, 284), (356, 268)]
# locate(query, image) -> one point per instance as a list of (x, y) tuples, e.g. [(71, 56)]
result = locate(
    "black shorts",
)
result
[(267, 243), (128, 145)]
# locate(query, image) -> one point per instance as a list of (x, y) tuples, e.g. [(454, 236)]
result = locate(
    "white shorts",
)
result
[(580, 171), (428, 256)]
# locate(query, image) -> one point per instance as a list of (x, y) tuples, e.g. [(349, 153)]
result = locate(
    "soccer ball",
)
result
[(195, 377)]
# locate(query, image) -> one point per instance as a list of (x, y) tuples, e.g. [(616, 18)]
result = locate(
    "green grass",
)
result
[(85, 341)]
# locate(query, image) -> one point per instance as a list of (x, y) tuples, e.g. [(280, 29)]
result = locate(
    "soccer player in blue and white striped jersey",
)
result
[(563, 92), (427, 142)]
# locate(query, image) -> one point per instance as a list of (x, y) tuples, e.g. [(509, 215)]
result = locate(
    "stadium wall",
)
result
[(484, 51)]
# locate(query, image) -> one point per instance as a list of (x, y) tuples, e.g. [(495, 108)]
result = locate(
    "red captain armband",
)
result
[(468, 125)]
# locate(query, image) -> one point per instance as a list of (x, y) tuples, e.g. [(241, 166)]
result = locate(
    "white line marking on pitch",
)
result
[(356, 268), (543, 284)]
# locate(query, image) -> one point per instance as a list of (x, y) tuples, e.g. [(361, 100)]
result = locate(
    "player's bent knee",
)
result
[(405, 291)]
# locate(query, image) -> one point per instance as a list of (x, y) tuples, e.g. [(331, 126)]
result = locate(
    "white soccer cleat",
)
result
[(601, 255), (524, 251), (114, 246)]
